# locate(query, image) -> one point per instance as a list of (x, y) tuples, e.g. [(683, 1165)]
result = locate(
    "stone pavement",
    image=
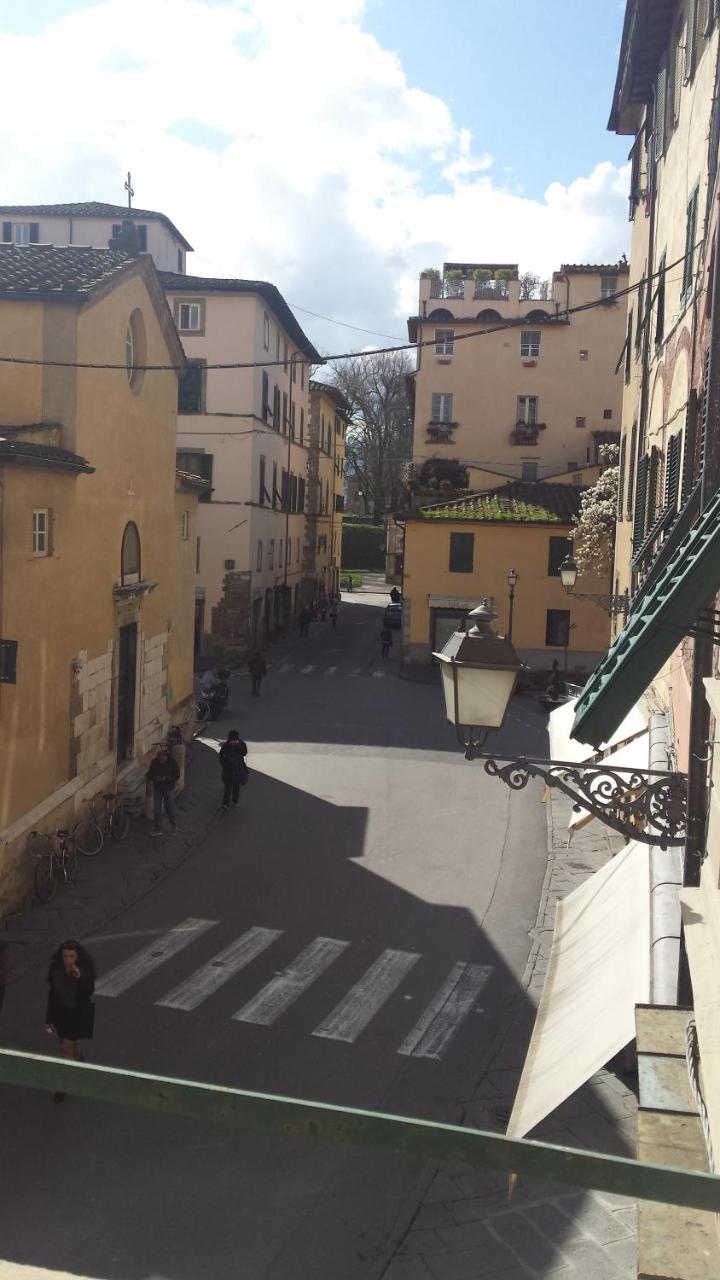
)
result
[(466, 1227)]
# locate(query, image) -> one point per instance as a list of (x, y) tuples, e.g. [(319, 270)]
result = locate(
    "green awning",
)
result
[(661, 617)]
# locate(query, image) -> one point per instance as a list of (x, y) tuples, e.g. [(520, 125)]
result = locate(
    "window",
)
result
[(461, 552), (196, 463), (285, 491), (275, 494), (289, 551), (261, 488), (190, 317), (21, 232), (527, 410), (301, 493), (442, 407), (276, 407), (179, 261), (608, 286), (135, 350), (691, 39), (640, 316), (632, 464), (271, 554), (41, 532), (185, 526), (607, 414), (292, 420), (293, 368), (583, 354), (191, 388), (676, 76), (706, 16), (266, 331), (529, 470), (660, 298), (280, 554), (558, 549), (258, 561), (197, 555), (579, 422), (690, 235), (302, 374), (530, 344), (557, 628), (285, 356), (130, 555), (284, 412), (444, 342), (265, 396), (660, 108), (628, 345), (302, 424)]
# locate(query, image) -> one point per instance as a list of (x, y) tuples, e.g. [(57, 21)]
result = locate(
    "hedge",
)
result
[(363, 546)]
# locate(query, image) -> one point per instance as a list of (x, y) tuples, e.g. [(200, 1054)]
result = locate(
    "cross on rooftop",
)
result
[(129, 189)]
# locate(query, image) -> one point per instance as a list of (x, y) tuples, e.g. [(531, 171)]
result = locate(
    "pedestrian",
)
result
[(164, 772), (334, 614), (70, 1009), (395, 596), (234, 769), (349, 583), (386, 641), (554, 684), (257, 668), (323, 608), (304, 621)]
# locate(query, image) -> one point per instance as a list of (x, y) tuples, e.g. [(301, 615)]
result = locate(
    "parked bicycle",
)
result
[(113, 818), (56, 855)]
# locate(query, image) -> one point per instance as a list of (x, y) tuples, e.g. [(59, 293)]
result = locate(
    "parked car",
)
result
[(393, 616)]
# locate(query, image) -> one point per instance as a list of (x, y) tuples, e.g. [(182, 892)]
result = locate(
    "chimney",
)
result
[(127, 240)]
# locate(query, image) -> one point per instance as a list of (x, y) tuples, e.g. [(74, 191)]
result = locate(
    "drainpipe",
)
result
[(645, 382)]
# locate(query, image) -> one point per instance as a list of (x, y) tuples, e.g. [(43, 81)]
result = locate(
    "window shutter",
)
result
[(632, 469), (621, 477), (651, 500), (436, 407), (301, 494), (690, 39), (285, 490), (641, 488), (276, 407), (672, 471), (261, 498), (265, 395), (660, 92), (7, 232), (688, 462), (34, 232), (8, 661), (690, 233), (142, 237)]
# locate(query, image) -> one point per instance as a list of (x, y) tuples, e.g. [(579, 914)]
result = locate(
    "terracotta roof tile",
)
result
[(520, 502), (23, 453), (41, 270)]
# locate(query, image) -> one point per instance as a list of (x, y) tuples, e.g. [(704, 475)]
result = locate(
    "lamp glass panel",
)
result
[(483, 696), (448, 685)]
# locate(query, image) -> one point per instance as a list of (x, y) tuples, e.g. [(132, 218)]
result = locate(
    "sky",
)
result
[(333, 147)]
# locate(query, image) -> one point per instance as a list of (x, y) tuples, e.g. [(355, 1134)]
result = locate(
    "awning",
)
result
[(660, 618), (599, 970), (634, 755), (563, 747)]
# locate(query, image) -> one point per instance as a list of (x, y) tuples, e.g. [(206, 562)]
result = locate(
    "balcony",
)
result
[(526, 433), (440, 432), (498, 291)]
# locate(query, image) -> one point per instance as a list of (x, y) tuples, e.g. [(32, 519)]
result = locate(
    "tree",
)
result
[(532, 286), (379, 438), (594, 537)]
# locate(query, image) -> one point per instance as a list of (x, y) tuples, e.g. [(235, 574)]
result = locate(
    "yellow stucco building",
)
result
[(326, 483), (460, 552), (97, 552)]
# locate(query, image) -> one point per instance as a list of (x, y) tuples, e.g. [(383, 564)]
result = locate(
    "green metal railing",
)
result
[(423, 1139)]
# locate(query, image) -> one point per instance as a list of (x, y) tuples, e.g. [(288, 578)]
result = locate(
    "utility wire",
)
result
[(348, 355)]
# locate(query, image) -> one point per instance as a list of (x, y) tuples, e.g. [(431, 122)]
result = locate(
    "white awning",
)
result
[(563, 747), (634, 755), (599, 970)]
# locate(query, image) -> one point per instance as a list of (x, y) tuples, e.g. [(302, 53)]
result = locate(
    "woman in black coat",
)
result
[(70, 1009), (234, 769)]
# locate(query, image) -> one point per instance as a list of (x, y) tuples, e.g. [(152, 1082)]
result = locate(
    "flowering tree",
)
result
[(594, 537)]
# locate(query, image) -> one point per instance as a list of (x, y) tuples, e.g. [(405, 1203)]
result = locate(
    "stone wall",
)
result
[(232, 617)]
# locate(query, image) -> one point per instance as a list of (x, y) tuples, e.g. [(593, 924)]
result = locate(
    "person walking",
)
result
[(334, 614), (323, 608), (304, 621), (349, 583), (386, 641), (70, 1009), (234, 769), (164, 772), (257, 668)]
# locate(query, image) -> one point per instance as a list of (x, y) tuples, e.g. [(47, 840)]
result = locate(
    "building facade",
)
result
[(93, 223), (98, 535), (246, 429), (326, 489), (538, 391)]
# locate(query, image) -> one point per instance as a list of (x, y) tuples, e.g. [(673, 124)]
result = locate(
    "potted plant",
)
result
[(482, 275), (429, 273)]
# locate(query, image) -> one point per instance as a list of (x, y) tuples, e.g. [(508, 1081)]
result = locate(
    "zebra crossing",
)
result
[(428, 1037), (318, 669)]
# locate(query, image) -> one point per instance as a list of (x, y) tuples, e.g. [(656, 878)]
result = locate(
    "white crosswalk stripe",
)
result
[(151, 957), (267, 1006), (213, 975), (331, 671), (367, 997), (286, 666), (305, 671), (450, 1007)]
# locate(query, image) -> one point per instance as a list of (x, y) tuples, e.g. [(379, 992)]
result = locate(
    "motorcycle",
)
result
[(213, 699)]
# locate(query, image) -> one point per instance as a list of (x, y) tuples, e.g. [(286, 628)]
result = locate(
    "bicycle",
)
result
[(114, 818), (57, 858)]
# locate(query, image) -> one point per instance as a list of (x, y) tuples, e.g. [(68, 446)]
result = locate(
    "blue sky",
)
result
[(335, 147)]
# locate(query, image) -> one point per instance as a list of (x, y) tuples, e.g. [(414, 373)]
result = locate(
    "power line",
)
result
[(374, 333), (346, 355)]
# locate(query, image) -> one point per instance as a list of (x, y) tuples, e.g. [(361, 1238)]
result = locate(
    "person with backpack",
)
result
[(234, 769)]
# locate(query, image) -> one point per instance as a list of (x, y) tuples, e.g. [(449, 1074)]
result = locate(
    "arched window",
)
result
[(489, 316), (440, 313), (537, 317), (130, 555), (135, 350)]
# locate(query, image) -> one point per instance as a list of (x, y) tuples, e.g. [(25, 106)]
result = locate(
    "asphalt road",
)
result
[(371, 898)]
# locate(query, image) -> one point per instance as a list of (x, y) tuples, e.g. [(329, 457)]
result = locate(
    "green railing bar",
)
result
[(400, 1134)]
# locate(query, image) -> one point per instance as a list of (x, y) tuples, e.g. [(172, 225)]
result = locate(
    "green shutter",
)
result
[(641, 490), (621, 477), (660, 94), (672, 471), (7, 232), (34, 232), (688, 462)]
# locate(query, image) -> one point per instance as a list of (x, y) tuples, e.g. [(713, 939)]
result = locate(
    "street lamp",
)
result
[(512, 579), (479, 672), (613, 604)]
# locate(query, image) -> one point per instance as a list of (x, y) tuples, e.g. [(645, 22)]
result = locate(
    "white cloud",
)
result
[(305, 156)]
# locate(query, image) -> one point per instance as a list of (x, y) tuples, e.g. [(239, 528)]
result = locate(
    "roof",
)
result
[(646, 33), (334, 393), (57, 271), (197, 484), (46, 456), (174, 282), (89, 209), (520, 502), (595, 268)]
